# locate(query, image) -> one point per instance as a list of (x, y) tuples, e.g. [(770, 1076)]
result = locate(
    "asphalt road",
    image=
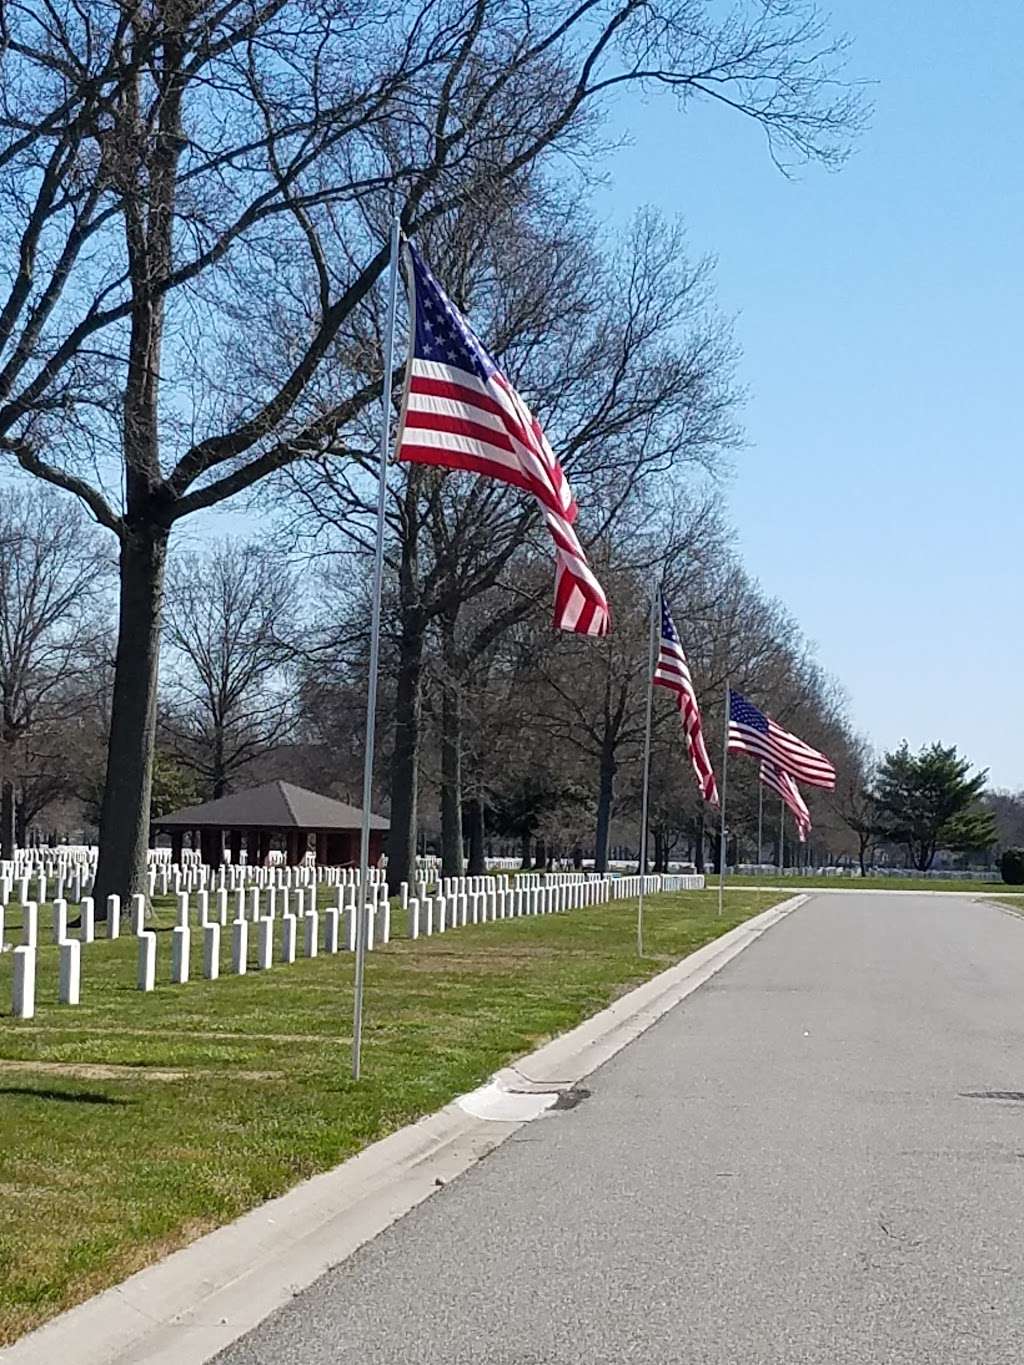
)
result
[(818, 1157)]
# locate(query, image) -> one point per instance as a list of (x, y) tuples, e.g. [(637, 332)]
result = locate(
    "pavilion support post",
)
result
[(263, 851), (211, 842)]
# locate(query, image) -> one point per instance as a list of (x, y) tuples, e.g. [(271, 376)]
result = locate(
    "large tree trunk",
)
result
[(605, 797), (451, 757), (660, 851), (124, 819), (145, 527), (475, 822), (405, 764), (698, 843), (7, 820)]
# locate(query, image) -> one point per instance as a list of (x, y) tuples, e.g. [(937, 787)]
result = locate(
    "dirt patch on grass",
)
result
[(498, 961), (103, 1071), (211, 1035)]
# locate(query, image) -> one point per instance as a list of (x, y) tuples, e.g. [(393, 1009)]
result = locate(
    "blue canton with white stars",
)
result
[(744, 712), (442, 334), (668, 630)]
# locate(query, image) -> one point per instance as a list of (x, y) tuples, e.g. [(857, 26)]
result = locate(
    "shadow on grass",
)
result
[(62, 1096)]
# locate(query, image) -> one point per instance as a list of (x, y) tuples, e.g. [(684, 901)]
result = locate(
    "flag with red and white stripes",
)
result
[(752, 732), (673, 672), (459, 411), (783, 784)]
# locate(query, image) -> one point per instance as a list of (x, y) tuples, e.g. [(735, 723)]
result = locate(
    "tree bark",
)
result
[(451, 756), (475, 822), (660, 854), (124, 818), (698, 844), (7, 820), (405, 758), (540, 855), (605, 797)]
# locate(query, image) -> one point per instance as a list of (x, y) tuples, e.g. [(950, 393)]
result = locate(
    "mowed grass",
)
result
[(875, 883), (133, 1123)]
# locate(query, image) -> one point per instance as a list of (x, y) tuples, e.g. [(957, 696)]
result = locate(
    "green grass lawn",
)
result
[(132, 1123), (879, 883)]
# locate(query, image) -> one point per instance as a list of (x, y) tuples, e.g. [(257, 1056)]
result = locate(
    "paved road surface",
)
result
[(818, 1158)]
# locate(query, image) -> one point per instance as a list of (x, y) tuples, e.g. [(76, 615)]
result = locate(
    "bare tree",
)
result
[(228, 620), (52, 576), (630, 370), (187, 189)]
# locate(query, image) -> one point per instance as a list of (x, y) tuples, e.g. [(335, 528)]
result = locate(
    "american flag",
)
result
[(459, 411), (673, 672), (783, 784), (752, 732)]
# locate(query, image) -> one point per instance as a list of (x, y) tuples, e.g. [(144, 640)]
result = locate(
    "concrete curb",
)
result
[(876, 891), (186, 1308)]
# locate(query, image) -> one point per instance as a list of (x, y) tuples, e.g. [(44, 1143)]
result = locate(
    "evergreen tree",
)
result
[(930, 800)]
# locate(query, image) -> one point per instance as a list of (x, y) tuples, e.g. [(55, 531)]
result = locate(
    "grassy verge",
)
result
[(1011, 900), (133, 1123), (879, 883)]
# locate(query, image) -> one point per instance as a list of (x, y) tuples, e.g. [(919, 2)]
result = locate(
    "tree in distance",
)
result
[(930, 800), (1011, 866)]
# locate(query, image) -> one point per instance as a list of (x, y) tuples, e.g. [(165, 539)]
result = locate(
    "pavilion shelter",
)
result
[(275, 813)]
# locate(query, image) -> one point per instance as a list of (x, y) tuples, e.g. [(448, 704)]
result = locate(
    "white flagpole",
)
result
[(725, 775), (655, 613), (371, 695), (782, 837), (760, 818)]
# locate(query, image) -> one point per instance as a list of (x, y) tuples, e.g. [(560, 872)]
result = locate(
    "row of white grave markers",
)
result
[(296, 906), (459, 902), (458, 886), (462, 901), (172, 879), (288, 911), (434, 915), (24, 955)]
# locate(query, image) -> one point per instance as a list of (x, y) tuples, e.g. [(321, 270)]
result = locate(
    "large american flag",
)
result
[(783, 784), (752, 732), (673, 672), (459, 411)]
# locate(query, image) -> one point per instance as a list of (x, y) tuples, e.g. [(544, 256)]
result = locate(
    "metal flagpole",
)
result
[(371, 695), (782, 837), (760, 818), (655, 612), (725, 774)]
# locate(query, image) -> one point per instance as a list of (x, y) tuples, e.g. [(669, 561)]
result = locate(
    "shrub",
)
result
[(1011, 865)]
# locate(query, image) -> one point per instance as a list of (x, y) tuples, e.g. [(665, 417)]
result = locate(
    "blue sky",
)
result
[(879, 314)]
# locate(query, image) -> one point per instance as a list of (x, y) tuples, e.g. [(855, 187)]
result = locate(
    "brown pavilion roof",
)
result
[(275, 805)]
